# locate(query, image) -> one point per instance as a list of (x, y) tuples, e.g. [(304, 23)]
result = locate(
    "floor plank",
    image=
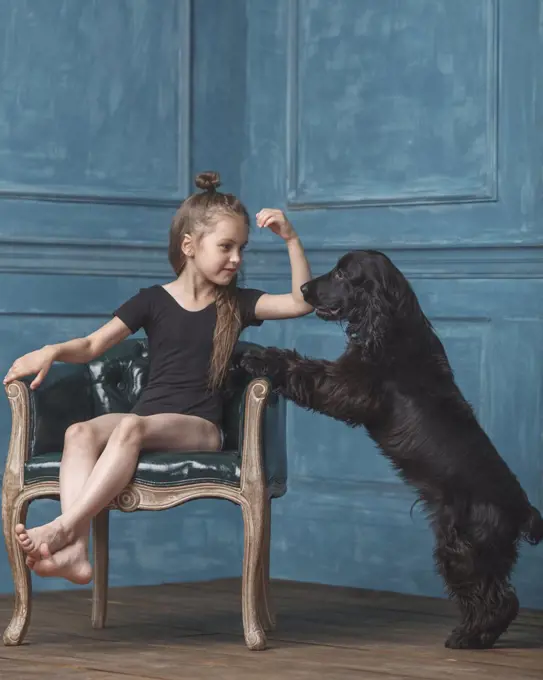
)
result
[(194, 631)]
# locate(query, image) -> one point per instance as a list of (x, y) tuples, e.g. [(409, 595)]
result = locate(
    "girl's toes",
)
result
[(45, 552)]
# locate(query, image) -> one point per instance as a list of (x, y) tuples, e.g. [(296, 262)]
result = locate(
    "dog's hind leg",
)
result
[(487, 611), (476, 560)]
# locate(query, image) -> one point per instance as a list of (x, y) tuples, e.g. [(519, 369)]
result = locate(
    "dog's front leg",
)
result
[(310, 383), (292, 375)]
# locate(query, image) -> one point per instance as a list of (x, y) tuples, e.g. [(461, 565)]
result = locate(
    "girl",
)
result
[(192, 325)]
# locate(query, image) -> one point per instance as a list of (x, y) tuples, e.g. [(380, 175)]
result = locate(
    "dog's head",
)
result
[(365, 290)]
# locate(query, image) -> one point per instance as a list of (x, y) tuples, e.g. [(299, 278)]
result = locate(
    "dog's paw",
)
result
[(263, 364), (255, 364), (488, 639), (461, 639)]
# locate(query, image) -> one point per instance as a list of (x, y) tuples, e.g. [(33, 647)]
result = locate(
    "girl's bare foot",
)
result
[(54, 535), (70, 563)]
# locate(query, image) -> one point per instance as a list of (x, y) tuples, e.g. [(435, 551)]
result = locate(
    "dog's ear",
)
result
[(373, 316), (376, 317)]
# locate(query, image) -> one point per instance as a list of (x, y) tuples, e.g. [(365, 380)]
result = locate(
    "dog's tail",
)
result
[(532, 530)]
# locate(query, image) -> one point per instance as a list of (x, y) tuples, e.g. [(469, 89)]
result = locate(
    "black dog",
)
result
[(394, 378)]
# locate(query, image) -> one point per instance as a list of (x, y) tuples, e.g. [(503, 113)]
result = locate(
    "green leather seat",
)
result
[(157, 469), (112, 384)]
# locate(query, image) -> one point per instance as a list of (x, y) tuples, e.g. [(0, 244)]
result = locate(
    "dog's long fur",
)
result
[(394, 378)]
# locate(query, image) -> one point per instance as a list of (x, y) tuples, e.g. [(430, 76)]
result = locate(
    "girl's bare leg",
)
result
[(83, 444), (114, 470)]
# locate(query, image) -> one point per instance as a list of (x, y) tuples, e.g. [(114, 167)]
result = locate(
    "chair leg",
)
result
[(267, 617), (100, 549), (253, 521), (14, 512)]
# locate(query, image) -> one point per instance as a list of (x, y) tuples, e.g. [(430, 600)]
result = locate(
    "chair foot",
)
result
[(15, 513), (15, 633), (256, 640)]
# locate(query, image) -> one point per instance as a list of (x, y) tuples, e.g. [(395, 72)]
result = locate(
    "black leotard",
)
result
[(180, 344)]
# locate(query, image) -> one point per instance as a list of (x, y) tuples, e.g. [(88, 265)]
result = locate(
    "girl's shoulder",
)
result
[(150, 293), (146, 290), (243, 294), (247, 299), (136, 311), (149, 290)]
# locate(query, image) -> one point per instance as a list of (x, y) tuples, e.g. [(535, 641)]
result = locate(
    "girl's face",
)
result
[(218, 254)]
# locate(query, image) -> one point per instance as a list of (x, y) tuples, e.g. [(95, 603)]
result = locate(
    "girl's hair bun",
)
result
[(208, 181)]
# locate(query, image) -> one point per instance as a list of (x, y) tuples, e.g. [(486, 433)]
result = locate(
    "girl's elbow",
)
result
[(303, 309)]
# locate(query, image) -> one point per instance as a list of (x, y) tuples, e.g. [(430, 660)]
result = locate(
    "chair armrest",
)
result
[(254, 401), (263, 438), (17, 393), (41, 417)]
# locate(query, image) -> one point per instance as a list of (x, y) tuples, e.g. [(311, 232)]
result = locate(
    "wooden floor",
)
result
[(194, 631)]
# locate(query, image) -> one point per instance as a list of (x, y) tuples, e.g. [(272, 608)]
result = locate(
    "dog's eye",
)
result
[(338, 275)]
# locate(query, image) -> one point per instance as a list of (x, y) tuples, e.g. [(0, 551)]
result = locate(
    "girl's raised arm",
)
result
[(288, 305)]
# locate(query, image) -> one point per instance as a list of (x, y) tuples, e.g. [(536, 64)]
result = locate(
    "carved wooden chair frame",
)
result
[(251, 495)]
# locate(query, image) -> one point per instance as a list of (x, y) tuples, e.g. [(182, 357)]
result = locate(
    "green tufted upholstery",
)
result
[(112, 384)]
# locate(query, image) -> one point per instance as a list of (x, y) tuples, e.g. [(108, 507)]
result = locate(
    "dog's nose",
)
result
[(304, 289)]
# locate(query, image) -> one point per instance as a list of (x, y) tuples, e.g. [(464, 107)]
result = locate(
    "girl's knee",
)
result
[(79, 433), (131, 429)]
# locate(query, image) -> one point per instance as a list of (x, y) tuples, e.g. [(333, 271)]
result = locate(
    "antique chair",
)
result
[(250, 471)]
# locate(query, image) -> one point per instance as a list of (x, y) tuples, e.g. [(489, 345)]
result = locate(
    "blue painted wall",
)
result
[(408, 126)]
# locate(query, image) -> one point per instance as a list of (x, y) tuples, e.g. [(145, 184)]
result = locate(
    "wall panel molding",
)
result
[(323, 198), (84, 257), (64, 194), (149, 258), (417, 262)]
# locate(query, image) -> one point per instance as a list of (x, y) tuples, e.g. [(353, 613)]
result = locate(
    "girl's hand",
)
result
[(35, 363), (277, 221)]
